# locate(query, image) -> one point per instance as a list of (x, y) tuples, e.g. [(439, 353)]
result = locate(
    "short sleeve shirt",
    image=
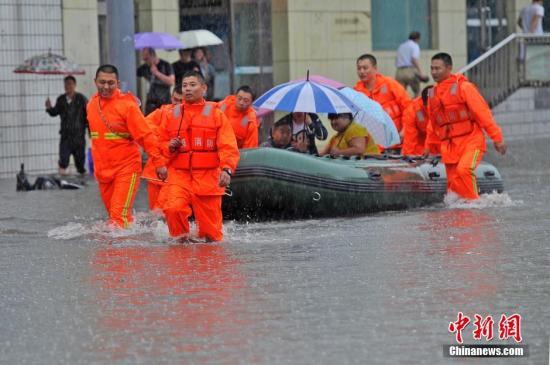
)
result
[(342, 140), (406, 52), (527, 14), (158, 90)]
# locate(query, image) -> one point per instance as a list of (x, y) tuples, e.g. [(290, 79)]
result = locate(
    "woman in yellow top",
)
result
[(352, 139)]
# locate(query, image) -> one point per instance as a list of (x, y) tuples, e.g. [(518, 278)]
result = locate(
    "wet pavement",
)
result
[(378, 289)]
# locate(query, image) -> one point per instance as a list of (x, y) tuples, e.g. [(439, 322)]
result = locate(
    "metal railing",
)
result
[(520, 60)]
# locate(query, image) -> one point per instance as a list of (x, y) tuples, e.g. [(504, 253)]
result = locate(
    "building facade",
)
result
[(28, 28), (266, 42)]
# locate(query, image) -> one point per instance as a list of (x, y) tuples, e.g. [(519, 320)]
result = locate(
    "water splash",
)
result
[(453, 201), (147, 228)]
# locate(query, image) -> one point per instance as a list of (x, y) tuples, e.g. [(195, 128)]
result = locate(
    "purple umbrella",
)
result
[(324, 81), (157, 40)]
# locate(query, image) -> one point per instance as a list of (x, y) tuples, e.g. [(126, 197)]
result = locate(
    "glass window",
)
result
[(393, 20), (245, 57), (252, 44)]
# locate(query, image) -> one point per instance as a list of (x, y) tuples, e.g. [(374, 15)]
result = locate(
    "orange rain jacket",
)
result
[(458, 116), (203, 174), (117, 126), (415, 122), (390, 94), (149, 171), (208, 145), (245, 124), (153, 119)]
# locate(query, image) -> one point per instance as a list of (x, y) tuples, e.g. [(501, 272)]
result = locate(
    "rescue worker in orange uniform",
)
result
[(458, 117), (238, 110), (383, 89), (117, 126), (200, 144), (149, 172), (415, 121)]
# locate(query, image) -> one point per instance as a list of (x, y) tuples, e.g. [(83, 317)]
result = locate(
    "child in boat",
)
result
[(310, 124), (301, 142), (352, 139), (280, 135)]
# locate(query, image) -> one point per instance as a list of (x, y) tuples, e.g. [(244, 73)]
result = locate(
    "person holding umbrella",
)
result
[(160, 75), (306, 127), (184, 65), (352, 139), (207, 70), (303, 99), (71, 107)]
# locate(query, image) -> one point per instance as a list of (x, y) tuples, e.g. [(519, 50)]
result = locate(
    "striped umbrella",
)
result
[(305, 96), (372, 116)]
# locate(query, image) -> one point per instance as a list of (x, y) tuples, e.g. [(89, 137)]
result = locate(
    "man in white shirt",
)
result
[(408, 66), (530, 18)]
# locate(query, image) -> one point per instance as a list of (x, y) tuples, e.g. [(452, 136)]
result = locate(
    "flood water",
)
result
[(377, 289)]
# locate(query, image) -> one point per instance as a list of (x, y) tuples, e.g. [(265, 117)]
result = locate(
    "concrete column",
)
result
[(120, 23)]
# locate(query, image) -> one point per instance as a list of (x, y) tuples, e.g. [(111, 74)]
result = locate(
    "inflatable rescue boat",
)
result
[(272, 183)]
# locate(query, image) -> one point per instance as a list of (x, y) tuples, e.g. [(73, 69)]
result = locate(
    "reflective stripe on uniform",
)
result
[(128, 200), (244, 121), (94, 135), (223, 107), (111, 136), (454, 89), (384, 89), (206, 109), (472, 170), (420, 116), (176, 111)]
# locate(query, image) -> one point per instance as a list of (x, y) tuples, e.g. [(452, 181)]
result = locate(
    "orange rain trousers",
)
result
[(179, 202), (153, 191), (197, 190), (149, 171), (461, 176), (117, 127), (118, 197)]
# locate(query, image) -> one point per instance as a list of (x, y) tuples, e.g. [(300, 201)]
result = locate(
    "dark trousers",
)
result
[(77, 149)]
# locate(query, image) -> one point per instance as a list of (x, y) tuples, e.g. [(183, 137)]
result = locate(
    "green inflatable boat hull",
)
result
[(272, 183)]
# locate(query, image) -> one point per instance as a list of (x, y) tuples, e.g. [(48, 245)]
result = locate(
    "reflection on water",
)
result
[(181, 299), (468, 248)]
